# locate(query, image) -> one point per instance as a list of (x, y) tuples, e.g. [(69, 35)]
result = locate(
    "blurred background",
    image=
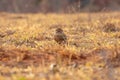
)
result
[(58, 6)]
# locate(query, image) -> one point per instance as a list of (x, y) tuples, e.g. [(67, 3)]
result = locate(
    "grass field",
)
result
[(29, 52)]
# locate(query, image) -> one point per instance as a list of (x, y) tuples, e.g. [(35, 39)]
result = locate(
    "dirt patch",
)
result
[(24, 58)]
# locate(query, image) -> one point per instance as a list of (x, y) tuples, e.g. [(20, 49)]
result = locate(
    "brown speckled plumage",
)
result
[(60, 36)]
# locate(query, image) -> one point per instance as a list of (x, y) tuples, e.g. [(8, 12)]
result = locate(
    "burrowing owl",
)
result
[(60, 36)]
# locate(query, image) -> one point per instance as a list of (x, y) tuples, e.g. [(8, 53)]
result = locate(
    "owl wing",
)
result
[(60, 37), (64, 37)]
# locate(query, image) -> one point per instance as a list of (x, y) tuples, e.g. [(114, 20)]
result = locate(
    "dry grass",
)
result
[(27, 48)]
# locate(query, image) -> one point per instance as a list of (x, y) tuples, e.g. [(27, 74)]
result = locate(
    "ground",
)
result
[(28, 50)]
